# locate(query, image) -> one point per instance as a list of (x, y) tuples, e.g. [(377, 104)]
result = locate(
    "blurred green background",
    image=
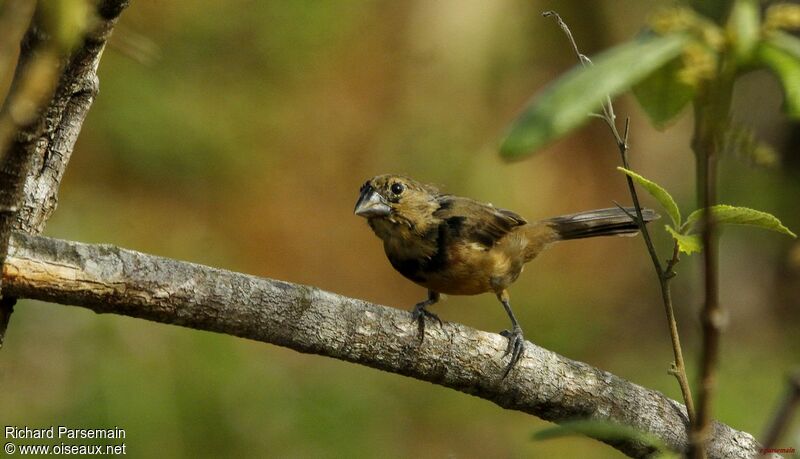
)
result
[(237, 134)]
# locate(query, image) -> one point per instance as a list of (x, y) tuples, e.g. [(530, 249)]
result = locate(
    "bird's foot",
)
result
[(516, 344), (419, 314)]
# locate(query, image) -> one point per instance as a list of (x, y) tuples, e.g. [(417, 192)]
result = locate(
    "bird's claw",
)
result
[(420, 313), (516, 344)]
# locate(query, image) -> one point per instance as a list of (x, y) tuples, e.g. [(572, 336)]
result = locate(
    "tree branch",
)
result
[(36, 143), (108, 279), (712, 121), (50, 147)]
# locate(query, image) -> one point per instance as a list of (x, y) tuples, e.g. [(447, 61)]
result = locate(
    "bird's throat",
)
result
[(403, 241)]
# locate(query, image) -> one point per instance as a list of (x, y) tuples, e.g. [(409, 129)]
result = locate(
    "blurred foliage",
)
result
[(566, 103), (65, 21), (241, 142)]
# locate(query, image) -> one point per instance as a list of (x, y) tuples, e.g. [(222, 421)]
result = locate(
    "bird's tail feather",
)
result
[(601, 222)]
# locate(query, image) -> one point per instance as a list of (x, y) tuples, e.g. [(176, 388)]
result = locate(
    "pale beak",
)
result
[(370, 204)]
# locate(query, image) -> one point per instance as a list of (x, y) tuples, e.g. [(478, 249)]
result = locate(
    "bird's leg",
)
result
[(516, 342), (420, 313)]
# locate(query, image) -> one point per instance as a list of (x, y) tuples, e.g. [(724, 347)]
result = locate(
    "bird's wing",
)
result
[(474, 221)]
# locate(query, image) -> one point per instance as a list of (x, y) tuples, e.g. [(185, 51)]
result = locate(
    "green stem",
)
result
[(665, 276)]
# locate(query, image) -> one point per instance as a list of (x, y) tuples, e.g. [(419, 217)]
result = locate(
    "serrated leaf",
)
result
[(602, 430), (658, 192), (663, 94), (687, 243), (786, 66), (566, 103), (744, 27), (732, 215)]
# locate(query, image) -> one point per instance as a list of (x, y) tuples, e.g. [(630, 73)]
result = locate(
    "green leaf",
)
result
[(786, 42), (731, 215), (781, 59), (661, 195), (601, 430), (567, 103), (663, 94), (744, 26), (687, 243)]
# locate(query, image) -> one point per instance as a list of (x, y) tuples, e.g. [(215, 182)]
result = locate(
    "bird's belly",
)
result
[(470, 271), (455, 284), (463, 268)]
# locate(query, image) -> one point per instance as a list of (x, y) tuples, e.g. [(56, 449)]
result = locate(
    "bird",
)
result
[(459, 246)]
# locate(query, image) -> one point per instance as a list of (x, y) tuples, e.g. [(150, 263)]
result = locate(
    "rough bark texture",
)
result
[(48, 144), (108, 279), (32, 166)]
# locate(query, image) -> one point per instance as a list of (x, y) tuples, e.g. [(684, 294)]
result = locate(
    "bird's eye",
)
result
[(397, 188)]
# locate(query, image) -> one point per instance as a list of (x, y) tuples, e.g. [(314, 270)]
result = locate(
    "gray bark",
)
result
[(49, 142), (108, 279), (32, 165)]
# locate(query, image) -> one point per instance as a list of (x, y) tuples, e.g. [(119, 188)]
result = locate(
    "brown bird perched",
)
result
[(459, 246)]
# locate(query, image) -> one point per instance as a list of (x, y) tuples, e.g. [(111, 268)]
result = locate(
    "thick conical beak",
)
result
[(371, 204)]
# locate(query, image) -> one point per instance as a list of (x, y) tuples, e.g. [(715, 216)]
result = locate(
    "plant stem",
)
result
[(664, 279), (665, 275), (712, 107), (784, 412)]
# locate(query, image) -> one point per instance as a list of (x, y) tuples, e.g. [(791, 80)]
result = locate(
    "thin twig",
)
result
[(784, 412), (676, 252), (678, 368), (633, 216), (567, 32)]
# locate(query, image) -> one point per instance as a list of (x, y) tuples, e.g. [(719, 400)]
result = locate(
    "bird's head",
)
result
[(397, 199)]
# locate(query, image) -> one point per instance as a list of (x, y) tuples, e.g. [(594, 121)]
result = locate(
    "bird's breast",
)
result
[(442, 261), (461, 268)]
